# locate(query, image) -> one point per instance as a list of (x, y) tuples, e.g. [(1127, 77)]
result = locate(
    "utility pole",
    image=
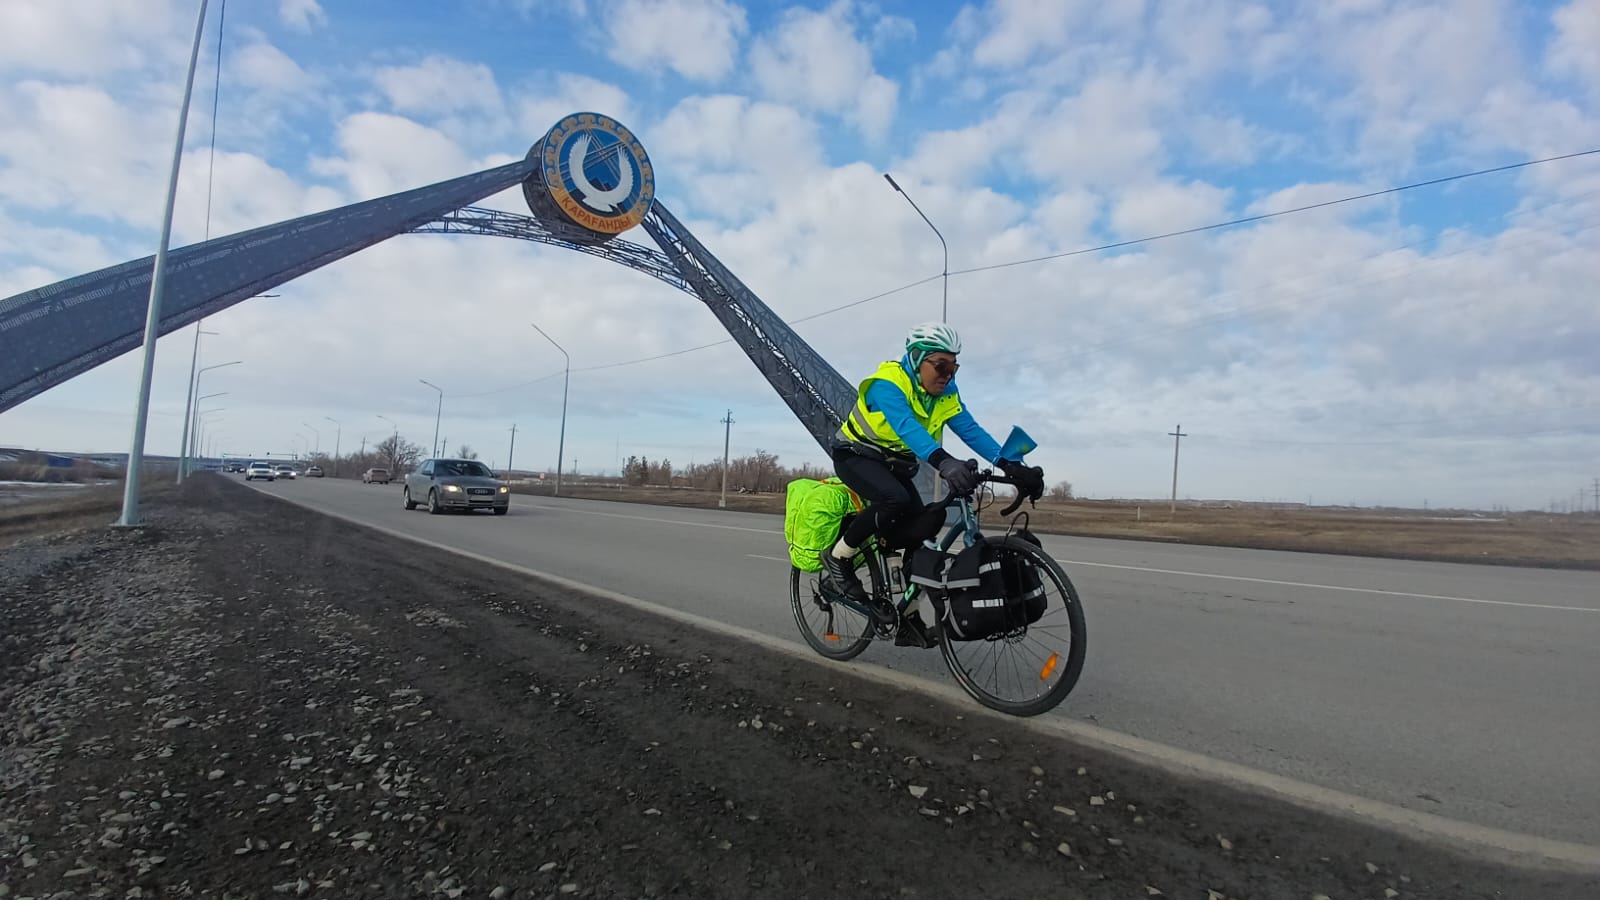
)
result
[(1177, 438), (1597, 495), (727, 435), (512, 453)]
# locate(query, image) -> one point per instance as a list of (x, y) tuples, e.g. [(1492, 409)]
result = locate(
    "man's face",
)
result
[(936, 371)]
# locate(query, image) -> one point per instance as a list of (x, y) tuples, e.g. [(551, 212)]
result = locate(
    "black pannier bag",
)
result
[(991, 589), (927, 567)]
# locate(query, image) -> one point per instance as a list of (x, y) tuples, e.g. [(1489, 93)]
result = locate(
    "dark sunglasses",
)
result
[(945, 367)]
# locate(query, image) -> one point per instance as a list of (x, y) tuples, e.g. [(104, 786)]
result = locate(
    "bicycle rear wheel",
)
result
[(832, 629), (1030, 671)]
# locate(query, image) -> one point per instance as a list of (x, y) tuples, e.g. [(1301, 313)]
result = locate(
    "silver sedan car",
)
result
[(456, 484)]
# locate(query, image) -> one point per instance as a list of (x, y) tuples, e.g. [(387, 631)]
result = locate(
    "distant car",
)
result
[(376, 476), (286, 472), (313, 471), (464, 484), (259, 470)]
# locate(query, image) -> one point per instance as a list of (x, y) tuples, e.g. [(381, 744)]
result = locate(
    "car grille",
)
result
[(481, 492)]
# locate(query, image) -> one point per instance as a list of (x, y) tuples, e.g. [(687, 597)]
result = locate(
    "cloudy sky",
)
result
[(1439, 345)]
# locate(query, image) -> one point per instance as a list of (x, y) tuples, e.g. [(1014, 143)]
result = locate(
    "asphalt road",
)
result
[(1471, 692)]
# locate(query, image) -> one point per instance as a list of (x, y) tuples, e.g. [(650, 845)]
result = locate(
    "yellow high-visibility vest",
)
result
[(871, 427)]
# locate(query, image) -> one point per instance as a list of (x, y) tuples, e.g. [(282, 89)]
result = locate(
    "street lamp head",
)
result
[(890, 179)]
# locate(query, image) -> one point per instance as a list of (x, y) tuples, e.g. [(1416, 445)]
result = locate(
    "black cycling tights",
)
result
[(889, 497)]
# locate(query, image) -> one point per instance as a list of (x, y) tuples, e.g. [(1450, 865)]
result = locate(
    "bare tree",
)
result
[(397, 454), (1061, 491), (466, 452)]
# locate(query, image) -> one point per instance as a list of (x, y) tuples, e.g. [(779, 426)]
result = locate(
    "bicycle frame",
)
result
[(964, 528)]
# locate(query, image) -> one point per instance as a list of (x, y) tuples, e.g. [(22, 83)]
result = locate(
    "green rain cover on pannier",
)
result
[(812, 511)]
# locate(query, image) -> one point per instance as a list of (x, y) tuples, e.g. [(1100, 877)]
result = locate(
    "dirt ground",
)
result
[(1527, 539), (246, 699)]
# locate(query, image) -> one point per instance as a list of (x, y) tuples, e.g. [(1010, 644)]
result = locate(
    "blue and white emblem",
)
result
[(598, 173)]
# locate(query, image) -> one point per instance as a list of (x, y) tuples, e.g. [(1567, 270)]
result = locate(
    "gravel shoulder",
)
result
[(247, 699)]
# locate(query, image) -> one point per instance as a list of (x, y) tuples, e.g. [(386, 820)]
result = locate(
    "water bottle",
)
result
[(897, 580)]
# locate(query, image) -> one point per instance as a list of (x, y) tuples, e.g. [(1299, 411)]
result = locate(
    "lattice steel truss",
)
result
[(54, 333), (813, 390)]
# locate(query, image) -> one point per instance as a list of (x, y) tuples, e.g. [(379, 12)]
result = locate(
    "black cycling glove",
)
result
[(1029, 479), (960, 475)]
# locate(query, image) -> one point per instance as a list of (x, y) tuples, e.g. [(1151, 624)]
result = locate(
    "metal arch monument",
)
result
[(586, 181)]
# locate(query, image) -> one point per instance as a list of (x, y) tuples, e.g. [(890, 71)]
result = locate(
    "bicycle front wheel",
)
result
[(832, 629), (1032, 669)]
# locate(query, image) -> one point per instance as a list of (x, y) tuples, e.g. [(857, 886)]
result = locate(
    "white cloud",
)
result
[(263, 67), (384, 154), (245, 192), (1109, 133), (1226, 141), (1416, 68), (698, 39), (440, 85), (735, 156), (889, 30), (1574, 50), (93, 37), (53, 152), (301, 15), (541, 105), (1162, 206), (1023, 28), (815, 61)]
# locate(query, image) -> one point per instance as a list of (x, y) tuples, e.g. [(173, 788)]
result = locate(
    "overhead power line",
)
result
[(1120, 244), (1282, 212)]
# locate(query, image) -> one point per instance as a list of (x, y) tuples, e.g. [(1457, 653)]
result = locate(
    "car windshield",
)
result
[(466, 467)]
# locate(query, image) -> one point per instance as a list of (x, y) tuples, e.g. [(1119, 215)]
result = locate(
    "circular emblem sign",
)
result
[(597, 173)]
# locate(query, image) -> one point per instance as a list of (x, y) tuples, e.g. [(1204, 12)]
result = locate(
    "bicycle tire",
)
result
[(1066, 597), (850, 640)]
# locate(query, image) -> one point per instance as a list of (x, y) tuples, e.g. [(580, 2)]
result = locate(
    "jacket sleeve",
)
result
[(973, 435), (887, 399)]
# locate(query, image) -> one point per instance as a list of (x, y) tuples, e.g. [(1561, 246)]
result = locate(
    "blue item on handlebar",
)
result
[(1018, 444)]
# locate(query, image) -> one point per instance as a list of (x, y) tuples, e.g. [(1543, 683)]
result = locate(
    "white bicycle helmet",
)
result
[(932, 337)]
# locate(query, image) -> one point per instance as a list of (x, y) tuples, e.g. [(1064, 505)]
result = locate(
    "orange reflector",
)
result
[(830, 637), (1049, 666)]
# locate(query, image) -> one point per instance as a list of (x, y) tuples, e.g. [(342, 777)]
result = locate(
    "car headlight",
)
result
[(453, 488), (504, 489)]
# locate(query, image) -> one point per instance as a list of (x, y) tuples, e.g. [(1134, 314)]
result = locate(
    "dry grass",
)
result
[(1535, 539), (25, 511)]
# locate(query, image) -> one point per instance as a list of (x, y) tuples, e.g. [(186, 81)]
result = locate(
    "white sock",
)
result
[(842, 550)]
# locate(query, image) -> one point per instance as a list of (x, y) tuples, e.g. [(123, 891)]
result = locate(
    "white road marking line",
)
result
[(1079, 562), (1329, 587), (782, 559)]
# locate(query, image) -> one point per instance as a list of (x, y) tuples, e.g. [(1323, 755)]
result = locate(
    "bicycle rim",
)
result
[(1028, 673), (832, 629)]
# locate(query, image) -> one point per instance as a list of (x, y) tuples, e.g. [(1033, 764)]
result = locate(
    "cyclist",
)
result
[(897, 423)]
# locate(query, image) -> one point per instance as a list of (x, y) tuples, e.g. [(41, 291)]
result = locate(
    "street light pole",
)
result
[(188, 399), (394, 446), (193, 450), (187, 450), (199, 427), (561, 441), (314, 431), (158, 278), (338, 434), (944, 310), (435, 451)]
